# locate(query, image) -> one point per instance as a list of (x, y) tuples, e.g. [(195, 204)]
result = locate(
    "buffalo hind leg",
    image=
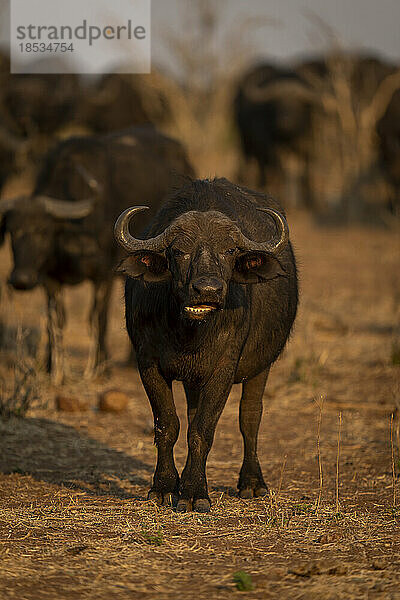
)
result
[(55, 325), (98, 325), (204, 410), (166, 430), (251, 481)]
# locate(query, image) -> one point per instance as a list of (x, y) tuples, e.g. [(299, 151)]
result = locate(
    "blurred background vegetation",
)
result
[(301, 101)]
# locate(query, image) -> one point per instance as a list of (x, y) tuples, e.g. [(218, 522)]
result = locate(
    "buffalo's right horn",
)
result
[(131, 244)]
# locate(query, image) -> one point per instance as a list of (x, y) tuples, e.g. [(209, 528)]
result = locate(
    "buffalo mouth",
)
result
[(198, 311)]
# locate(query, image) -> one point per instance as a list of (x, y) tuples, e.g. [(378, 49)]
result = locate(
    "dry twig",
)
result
[(337, 463)]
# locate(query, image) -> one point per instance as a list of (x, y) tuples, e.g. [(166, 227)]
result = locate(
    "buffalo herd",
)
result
[(324, 134), (61, 233), (210, 276)]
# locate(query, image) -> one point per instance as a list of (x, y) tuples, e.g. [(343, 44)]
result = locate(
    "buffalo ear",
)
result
[(148, 266), (256, 267)]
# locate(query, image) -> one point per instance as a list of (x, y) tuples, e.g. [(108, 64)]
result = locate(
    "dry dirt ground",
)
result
[(74, 520)]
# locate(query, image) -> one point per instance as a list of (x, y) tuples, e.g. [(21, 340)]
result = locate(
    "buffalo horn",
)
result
[(10, 203), (271, 247), (131, 244), (279, 89), (63, 209), (60, 209), (89, 179)]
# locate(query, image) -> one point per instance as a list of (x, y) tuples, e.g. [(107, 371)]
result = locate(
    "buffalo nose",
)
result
[(22, 280), (207, 285)]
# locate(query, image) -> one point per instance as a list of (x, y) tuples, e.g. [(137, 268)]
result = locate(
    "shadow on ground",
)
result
[(56, 453)]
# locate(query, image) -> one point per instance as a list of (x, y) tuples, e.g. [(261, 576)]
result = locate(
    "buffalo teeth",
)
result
[(198, 311)]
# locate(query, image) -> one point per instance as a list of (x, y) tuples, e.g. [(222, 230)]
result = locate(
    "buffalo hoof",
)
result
[(201, 505), (166, 499), (247, 493)]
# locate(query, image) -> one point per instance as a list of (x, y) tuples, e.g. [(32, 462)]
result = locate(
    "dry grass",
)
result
[(74, 522), (17, 400), (20, 371)]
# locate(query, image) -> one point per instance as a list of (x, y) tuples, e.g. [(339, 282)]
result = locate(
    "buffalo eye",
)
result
[(146, 260), (254, 262), (231, 251)]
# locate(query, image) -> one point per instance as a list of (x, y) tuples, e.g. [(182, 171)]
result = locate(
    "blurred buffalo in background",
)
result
[(323, 134), (389, 141), (117, 101), (38, 110), (273, 110), (63, 233), (35, 109)]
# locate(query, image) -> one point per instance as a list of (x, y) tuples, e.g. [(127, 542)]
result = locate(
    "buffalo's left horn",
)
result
[(131, 244), (63, 209), (270, 247)]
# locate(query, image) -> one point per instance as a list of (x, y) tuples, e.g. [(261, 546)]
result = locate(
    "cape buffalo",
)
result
[(35, 109), (389, 142), (211, 297), (62, 234), (272, 112), (118, 101), (41, 104), (322, 133)]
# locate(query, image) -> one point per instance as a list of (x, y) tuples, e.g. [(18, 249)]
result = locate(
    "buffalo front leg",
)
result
[(55, 325), (251, 481), (192, 398), (98, 327), (205, 406), (166, 430)]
